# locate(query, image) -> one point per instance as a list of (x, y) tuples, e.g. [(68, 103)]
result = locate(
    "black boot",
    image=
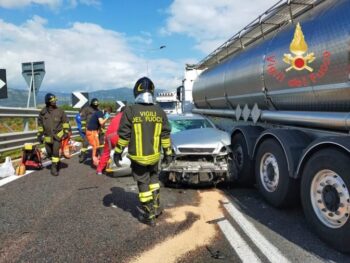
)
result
[(156, 203), (148, 216), (82, 157), (54, 169)]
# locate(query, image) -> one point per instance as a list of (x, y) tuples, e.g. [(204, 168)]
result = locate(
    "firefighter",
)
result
[(85, 116), (145, 129), (53, 127)]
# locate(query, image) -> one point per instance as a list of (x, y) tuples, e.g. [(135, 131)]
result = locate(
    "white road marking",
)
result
[(241, 247), (273, 254)]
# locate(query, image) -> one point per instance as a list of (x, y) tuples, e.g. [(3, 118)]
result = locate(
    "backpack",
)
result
[(31, 157)]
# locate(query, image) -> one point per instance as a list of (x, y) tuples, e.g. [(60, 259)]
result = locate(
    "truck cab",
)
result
[(169, 102)]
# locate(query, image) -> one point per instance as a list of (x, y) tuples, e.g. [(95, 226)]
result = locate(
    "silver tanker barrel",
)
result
[(281, 88), (303, 66)]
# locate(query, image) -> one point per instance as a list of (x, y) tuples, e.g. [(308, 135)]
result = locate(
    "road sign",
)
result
[(33, 68), (120, 104), (80, 99), (3, 85)]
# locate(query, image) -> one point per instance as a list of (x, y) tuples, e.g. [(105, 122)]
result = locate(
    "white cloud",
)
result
[(22, 3), (53, 4), (82, 57), (210, 22)]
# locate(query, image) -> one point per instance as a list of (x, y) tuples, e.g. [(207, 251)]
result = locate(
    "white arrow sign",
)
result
[(120, 105), (2, 84), (82, 100)]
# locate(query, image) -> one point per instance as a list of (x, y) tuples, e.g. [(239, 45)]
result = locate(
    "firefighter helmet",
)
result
[(50, 99), (143, 85), (94, 102)]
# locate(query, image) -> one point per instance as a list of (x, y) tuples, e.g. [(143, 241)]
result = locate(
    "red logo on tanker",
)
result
[(299, 60), (299, 47)]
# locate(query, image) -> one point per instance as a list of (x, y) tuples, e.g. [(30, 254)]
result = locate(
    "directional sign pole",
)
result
[(33, 85), (33, 73), (30, 90)]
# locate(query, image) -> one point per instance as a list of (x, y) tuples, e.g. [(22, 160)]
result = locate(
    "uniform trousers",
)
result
[(144, 175)]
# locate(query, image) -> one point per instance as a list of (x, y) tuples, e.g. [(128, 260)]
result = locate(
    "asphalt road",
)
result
[(81, 217)]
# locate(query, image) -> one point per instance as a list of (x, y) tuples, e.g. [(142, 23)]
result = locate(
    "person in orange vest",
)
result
[(111, 139), (85, 116), (96, 122)]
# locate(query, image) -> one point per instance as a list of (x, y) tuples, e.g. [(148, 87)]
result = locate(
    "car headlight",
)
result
[(223, 149)]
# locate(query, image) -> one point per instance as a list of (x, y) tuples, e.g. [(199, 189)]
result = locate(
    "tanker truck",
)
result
[(281, 88)]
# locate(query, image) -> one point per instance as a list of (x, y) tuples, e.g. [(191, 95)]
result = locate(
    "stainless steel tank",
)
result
[(304, 68)]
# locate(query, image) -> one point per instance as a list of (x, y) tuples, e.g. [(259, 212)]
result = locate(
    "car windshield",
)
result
[(189, 124), (167, 105)]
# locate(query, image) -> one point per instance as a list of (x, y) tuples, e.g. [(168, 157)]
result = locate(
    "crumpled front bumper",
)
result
[(182, 166)]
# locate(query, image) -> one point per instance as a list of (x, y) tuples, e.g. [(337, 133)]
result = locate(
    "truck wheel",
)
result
[(272, 175), (245, 175), (325, 196)]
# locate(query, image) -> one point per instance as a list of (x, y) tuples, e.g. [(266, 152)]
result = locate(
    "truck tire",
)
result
[(325, 197), (272, 176), (245, 171)]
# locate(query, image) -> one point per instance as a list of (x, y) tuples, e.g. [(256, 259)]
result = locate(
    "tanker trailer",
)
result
[(281, 88)]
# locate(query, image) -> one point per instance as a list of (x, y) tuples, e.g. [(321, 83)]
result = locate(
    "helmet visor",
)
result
[(145, 97), (52, 99)]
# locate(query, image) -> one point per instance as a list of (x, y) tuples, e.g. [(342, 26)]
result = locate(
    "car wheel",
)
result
[(245, 171), (325, 196), (272, 175)]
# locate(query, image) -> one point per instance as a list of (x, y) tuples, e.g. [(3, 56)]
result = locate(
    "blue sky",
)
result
[(100, 44)]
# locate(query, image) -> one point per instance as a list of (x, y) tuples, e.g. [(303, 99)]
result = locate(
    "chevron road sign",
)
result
[(3, 85), (79, 99), (120, 104)]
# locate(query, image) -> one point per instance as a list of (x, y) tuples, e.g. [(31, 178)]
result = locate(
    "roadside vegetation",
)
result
[(10, 125)]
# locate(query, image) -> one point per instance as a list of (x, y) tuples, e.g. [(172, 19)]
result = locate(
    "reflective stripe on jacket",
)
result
[(53, 123), (144, 128)]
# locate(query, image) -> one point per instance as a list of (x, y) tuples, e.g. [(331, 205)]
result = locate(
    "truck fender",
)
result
[(293, 142), (339, 142), (250, 133)]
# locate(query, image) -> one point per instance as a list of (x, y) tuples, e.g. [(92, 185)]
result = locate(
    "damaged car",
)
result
[(202, 153)]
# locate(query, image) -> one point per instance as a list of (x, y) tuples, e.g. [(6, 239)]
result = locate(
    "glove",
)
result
[(40, 139), (117, 157), (107, 115), (167, 159)]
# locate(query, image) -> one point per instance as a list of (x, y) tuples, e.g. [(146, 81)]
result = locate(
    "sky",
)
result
[(90, 45)]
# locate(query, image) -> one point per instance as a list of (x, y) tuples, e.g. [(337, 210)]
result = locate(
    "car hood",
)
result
[(200, 138)]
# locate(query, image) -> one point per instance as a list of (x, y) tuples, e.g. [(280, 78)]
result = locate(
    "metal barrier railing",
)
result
[(15, 140)]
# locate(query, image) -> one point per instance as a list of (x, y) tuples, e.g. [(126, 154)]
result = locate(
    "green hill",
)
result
[(18, 98)]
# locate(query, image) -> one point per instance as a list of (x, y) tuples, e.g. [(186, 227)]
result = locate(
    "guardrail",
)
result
[(15, 140)]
